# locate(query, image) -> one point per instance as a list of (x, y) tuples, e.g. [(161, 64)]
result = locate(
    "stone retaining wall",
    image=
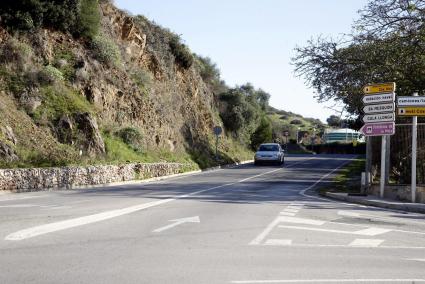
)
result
[(399, 192), (21, 180)]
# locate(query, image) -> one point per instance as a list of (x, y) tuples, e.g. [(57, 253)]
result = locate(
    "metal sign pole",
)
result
[(216, 148), (383, 158), (414, 153)]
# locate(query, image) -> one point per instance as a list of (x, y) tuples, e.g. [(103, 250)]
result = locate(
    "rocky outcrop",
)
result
[(93, 143), (21, 180), (7, 153)]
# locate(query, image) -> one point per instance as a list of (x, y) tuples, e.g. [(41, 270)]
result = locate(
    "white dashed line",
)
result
[(366, 243), (278, 242)]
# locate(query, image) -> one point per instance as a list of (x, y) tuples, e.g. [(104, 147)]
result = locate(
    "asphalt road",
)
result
[(240, 225)]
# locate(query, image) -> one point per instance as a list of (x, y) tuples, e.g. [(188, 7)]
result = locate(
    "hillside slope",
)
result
[(128, 91)]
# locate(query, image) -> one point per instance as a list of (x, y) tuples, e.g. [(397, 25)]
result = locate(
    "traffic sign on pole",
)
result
[(411, 101), (380, 117), (379, 88), (381, 108), (378, 129), (411, 111), (378, 98)]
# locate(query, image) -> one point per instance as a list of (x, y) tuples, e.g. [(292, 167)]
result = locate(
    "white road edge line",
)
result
[(76, 222), (328, 281)]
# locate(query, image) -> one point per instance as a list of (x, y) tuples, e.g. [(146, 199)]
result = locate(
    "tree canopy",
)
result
[(388, 46)]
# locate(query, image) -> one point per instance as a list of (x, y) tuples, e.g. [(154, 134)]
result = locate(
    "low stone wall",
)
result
[(400, 192), (34, 179)]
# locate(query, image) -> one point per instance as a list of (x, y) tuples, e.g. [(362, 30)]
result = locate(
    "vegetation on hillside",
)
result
[(51, 110)]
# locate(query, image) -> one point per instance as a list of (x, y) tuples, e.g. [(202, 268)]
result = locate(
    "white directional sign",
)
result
[(379, 117), (379, 98), (411, 101), (381, 108)]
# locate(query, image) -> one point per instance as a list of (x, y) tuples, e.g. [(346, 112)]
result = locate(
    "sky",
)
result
[(253, 41)]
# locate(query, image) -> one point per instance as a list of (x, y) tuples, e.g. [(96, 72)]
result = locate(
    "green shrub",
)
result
[(132, 137), (181, 52), (143, 79), (296, 122), (79, 17), (89, 18), (58, 100), (15, 51), (105, 50), (65, 62), (49, 74), (262, 134)]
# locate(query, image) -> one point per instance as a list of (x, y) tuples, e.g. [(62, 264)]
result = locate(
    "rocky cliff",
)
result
[(133, 93)]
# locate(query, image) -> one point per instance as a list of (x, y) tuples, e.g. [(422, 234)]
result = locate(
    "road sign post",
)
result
[(383, 160), (379, 110), (414, 152)]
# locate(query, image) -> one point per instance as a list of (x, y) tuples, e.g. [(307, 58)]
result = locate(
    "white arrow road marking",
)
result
[(366, 243), (177, 222), (366, 232)]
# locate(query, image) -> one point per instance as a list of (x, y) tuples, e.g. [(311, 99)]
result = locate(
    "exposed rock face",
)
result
[(64, 129), (7, 153), (93, 142), (10, 135), (20, 180)]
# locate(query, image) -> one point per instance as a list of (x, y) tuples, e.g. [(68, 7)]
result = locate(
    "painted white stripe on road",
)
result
[(278, 242), (301, 221), (291, 210), (416, 259), (329, 281), (366, 243), (361, 232), (287, 214), (71, 223), (294, 207), (373, 231), (348, 213)]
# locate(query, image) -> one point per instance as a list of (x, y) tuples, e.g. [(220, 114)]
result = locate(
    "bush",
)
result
[(89, 18), (262, 134), (105, 50), (15, 51), (181, 52), (143, 79), (131, 136), (79, 17), (49, 74), (296, 122)]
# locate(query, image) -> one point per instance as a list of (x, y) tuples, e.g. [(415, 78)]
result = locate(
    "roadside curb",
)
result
[(376, 202), (148, 180)]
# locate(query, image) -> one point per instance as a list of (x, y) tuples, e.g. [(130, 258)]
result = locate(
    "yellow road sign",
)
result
[(411, 111), (379, 88)]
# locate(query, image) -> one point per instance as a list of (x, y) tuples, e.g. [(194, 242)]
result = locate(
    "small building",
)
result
[(342, 135)]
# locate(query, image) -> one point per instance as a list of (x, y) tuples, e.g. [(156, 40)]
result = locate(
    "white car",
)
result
[(270, 153)]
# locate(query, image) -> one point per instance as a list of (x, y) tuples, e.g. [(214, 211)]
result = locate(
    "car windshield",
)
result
[(268, 148)]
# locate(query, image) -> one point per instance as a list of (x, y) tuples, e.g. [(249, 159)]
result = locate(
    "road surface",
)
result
[(241, 225)]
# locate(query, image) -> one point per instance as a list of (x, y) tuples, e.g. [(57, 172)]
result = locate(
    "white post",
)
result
[(414, 153), (382, 181)]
